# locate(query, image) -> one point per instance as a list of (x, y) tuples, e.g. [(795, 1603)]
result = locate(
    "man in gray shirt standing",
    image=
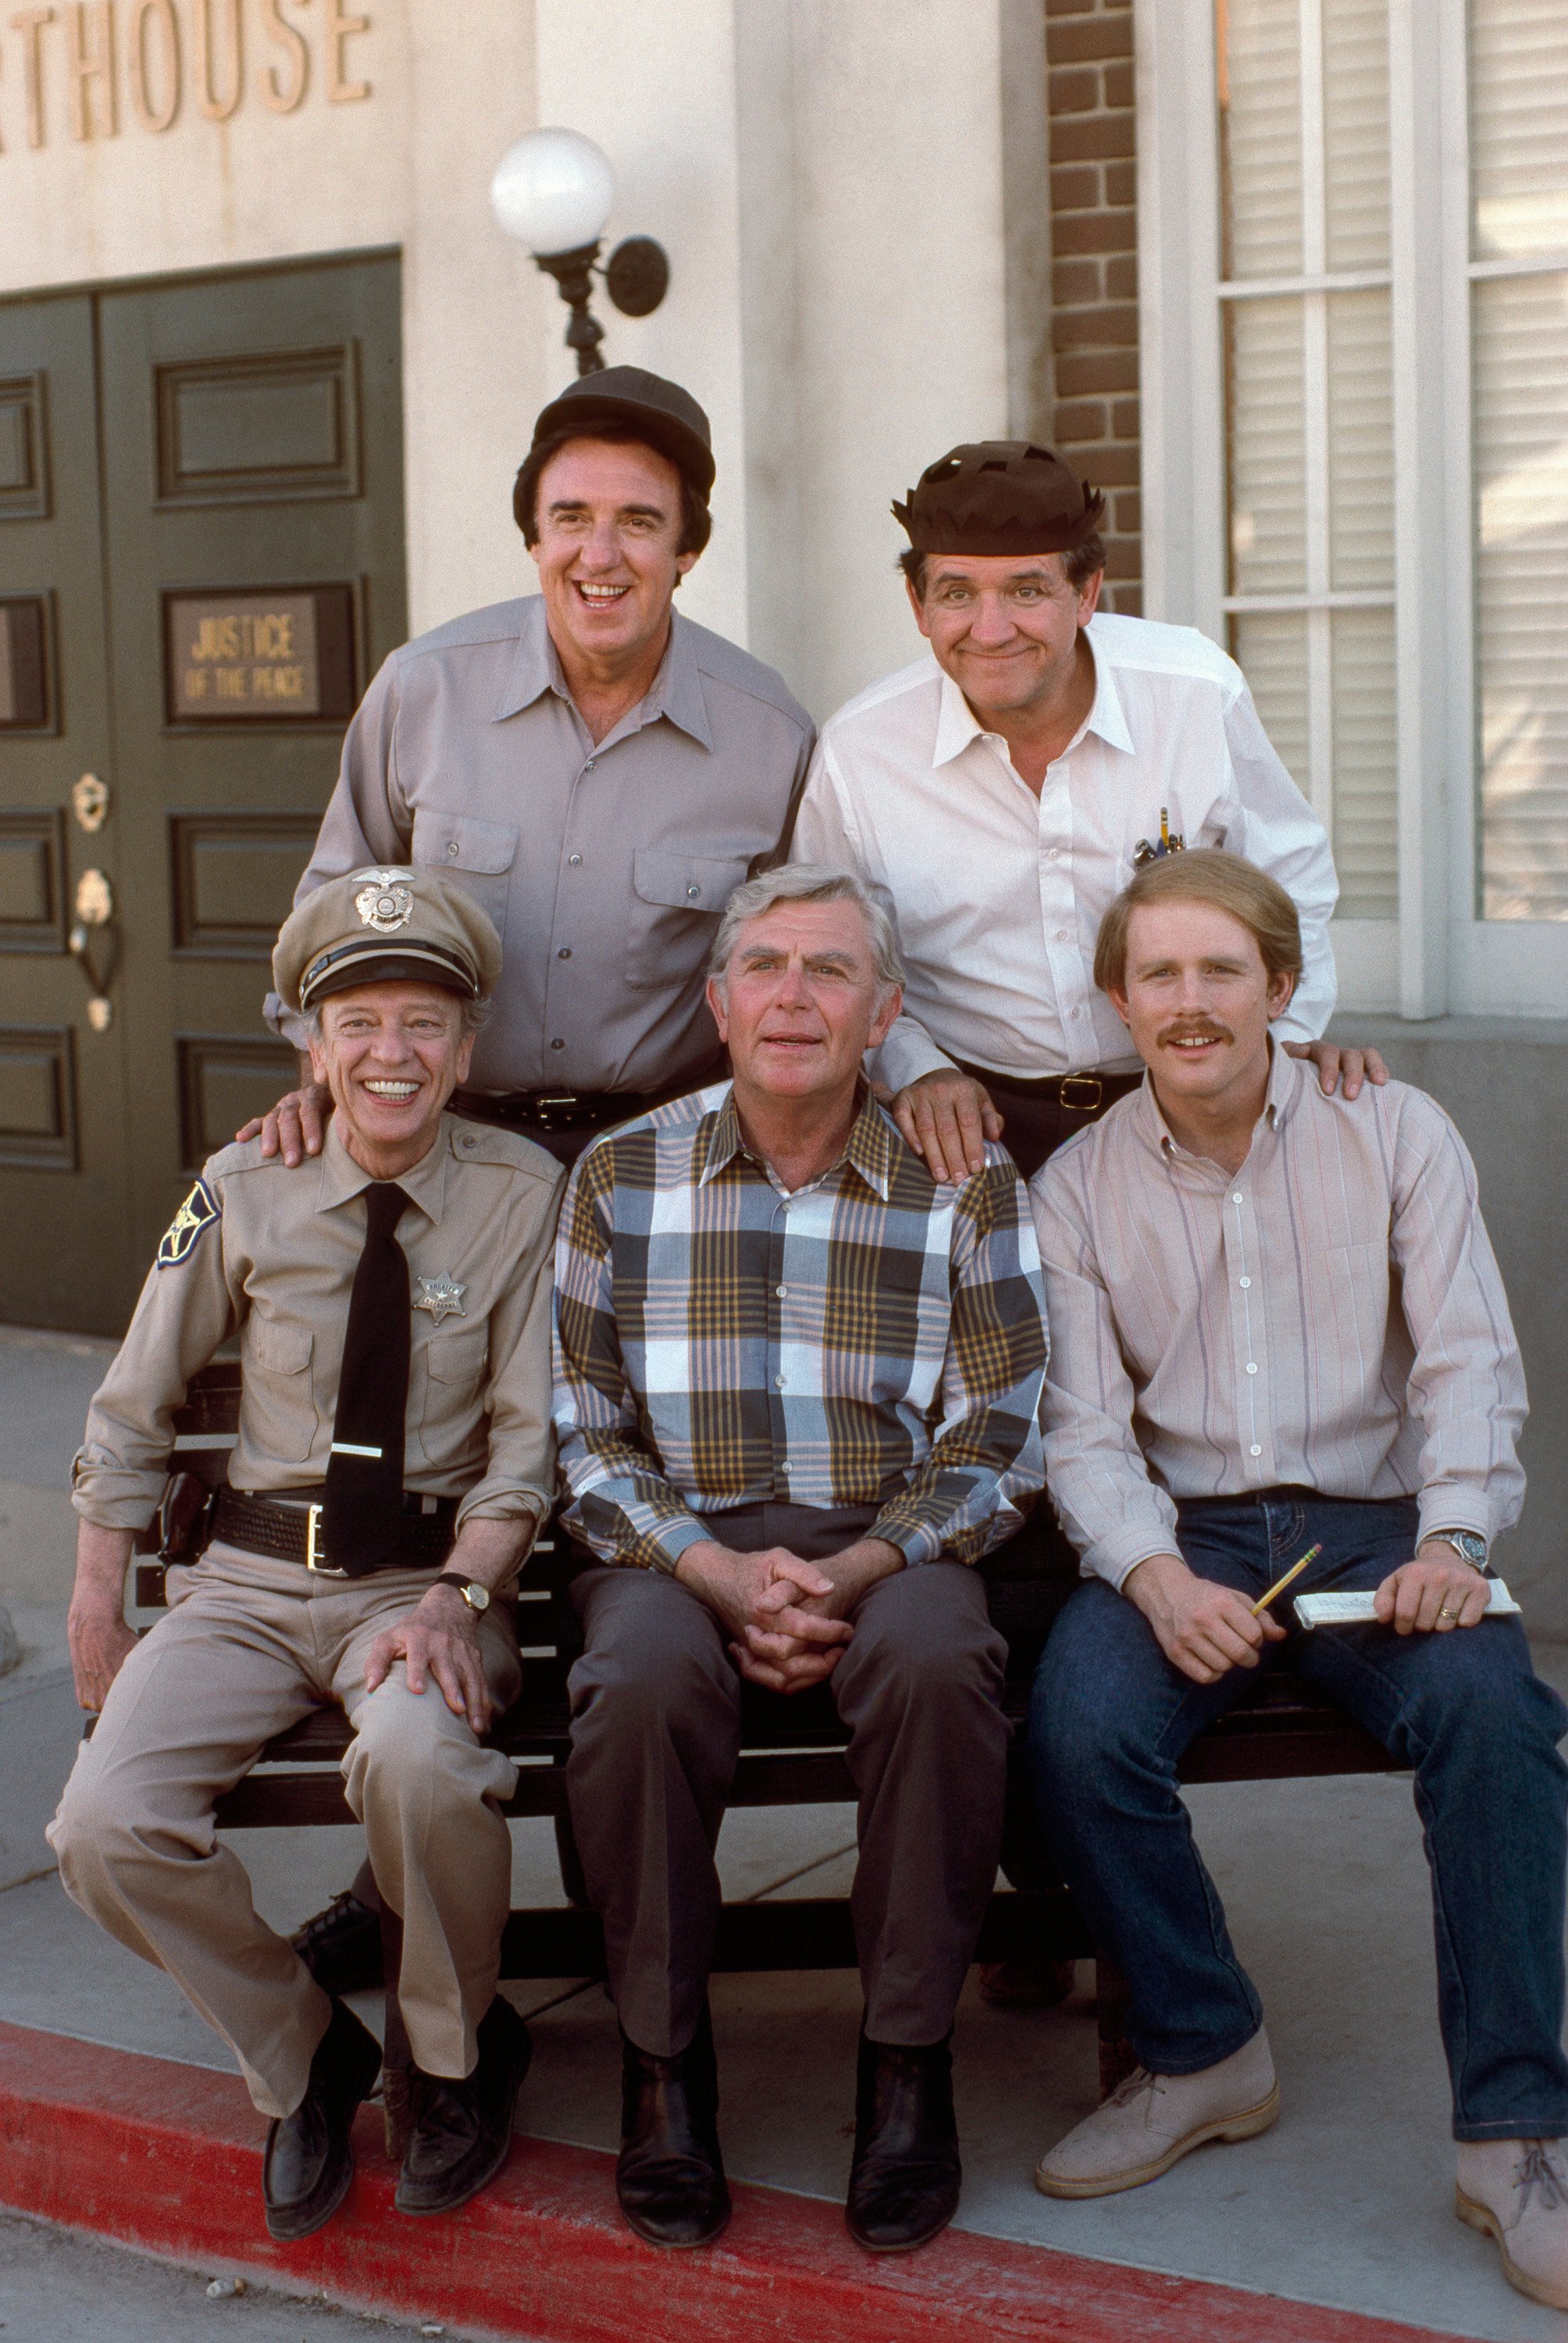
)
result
[(600, 773)]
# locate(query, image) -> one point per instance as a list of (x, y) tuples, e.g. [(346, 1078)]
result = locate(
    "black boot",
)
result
[(341, 1947), (670, 2175), (462, 2131), (309, 2162), (904, 2182)]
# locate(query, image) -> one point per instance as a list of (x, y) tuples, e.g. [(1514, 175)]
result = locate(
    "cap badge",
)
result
[(441, 1296), (387, 904)]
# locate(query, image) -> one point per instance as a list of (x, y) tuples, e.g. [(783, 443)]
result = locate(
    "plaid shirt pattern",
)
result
[(872, 1339)]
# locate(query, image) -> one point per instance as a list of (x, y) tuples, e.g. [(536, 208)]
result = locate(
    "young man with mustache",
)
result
[(1278, 1326)]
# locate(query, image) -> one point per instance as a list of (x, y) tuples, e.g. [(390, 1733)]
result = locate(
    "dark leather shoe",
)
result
[(309, 2161), (341, 1947), (904, 2182), (462, 2131), (670, 2175)]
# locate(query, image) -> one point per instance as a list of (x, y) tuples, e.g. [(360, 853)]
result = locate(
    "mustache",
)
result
[(1202, 1030)]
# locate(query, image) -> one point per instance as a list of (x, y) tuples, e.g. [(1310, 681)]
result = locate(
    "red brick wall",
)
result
[(1094, 248)]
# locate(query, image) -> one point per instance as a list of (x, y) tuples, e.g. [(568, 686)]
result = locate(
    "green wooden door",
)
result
[(247, 578)]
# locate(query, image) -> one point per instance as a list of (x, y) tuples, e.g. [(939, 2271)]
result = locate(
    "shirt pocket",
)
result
[(281, 1415), (455, 1368), (678, 899), (480, 854)]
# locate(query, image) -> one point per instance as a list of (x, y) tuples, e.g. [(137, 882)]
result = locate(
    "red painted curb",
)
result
[(168, 2158)]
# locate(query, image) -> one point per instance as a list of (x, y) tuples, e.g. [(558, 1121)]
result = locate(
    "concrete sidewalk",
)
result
[(1346, 2203)]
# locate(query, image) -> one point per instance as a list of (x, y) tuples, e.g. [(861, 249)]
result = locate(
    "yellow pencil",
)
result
[(1280, 1584)]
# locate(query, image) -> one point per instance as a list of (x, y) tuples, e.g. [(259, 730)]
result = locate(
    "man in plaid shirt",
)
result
[(797, 1385)]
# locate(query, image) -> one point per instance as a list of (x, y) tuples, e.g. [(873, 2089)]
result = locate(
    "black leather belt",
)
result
[(580, 1109), (292, 1532), (1080, 1093)]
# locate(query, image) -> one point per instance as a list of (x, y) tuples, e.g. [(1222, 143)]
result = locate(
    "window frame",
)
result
[(1440, 957)]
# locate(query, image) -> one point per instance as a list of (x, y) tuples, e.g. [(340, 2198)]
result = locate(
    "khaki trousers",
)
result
[(247, 1648), (656, 1739)]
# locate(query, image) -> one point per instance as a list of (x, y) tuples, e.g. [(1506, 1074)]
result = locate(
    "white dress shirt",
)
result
[(1329, 1317), (999, 895)]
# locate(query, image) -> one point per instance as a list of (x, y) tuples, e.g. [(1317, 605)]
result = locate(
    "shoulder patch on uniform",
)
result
[(197, 1212)]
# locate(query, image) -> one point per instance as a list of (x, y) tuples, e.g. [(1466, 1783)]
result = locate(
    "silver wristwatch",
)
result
[(1466, 1544)]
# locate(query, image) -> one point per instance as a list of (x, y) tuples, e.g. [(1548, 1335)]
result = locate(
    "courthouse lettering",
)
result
[(249, 656), (86, 65)]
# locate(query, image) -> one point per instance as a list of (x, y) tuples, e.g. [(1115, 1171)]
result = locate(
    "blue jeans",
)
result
[(1110, 1717)]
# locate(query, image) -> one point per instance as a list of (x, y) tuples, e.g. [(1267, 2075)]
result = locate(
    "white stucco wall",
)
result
[(825, 175)]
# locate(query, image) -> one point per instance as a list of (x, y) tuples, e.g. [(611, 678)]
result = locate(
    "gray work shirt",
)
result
[(605, 869)]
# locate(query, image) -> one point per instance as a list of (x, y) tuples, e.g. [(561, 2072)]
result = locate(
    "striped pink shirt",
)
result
[(1329, 1316)]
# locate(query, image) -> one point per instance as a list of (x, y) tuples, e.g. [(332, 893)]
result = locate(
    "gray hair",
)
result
[(808, 882), (475, 1013)]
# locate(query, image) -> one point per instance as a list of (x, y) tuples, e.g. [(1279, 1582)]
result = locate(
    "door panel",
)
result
[(242, 564), (65, 1230)]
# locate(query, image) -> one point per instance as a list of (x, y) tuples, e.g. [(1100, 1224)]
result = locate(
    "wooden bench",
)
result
[(792, 1753)]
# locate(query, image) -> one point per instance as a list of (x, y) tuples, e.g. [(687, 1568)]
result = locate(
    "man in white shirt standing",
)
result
[(1278, 1335), (1003, 789)]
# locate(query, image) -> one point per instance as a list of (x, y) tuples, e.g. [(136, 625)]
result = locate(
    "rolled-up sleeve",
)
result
[(985, 1463), (1114, 1515), (519, 1471), (621, 1505)]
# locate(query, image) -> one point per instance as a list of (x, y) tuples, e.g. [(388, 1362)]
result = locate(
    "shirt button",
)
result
[(589, 766), (451, 849), (780, 1290), (778, 1383), (1252, 1366), (574, 859), (693, 890), (1237, 1198), (565, 952), (1243, 1283), (558, 1045), (1061, 935), (1055, 854), (1254, 1450)]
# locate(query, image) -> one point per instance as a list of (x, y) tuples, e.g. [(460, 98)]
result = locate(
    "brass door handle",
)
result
[(97, 959)]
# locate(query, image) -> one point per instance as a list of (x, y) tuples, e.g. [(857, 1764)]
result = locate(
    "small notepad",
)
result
[(1357, 1610)]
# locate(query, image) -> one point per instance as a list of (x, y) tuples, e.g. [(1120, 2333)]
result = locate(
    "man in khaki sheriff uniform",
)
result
[(391, 1301)]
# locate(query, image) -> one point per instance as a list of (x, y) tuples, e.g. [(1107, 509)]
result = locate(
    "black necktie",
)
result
[(362, 1518)]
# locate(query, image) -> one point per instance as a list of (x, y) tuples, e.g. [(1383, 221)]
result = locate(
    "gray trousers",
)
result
[(656, 1738)]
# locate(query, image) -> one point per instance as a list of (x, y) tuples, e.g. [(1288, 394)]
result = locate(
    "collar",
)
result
[(1285, 1074), (676, 691), (869, 1146), (425, 1186), (958, 725)]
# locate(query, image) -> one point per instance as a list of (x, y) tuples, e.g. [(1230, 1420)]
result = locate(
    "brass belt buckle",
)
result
[(1091, 1083), (318, 1568)]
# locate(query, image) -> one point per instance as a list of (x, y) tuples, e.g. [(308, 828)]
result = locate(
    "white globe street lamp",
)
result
[(553, 191)]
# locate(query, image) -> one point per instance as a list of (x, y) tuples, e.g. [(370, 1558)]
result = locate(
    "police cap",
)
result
[(1000, 496), (381, 925)]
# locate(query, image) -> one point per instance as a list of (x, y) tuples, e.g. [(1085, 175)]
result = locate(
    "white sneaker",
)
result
[(1516, 2191), (1150, 2121)]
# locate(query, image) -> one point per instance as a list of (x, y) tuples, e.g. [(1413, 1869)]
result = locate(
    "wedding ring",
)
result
[(1446, 1614)]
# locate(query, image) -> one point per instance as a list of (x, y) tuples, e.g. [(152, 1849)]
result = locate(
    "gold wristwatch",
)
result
[(475, 1596)]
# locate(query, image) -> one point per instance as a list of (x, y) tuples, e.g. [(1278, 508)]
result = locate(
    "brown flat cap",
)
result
[(661, 412), (1000, 496), (383, 925)]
